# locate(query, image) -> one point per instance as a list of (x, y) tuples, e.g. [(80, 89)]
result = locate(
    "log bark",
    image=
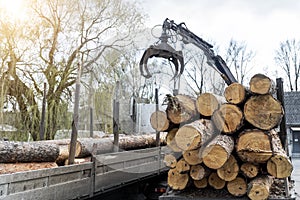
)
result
[(11, 152), (279, 165), (237, 187), (261, 84), (216, 153), (250, 170), (259, 188), (215, 181), (170, 161), (176, 180), (263, 111), (159, 121), (235, 93), (8, 168), (254, 146), (181, 108), (182, 166), (228, 118), (229, 170), (192, 136), (201, 183), (198, 172), (192, 157), (207, 103), (170, 139), (87, 146)]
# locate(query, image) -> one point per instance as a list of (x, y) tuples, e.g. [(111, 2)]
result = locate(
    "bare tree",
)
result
[(61, 35), (288, 58), (237, 58)]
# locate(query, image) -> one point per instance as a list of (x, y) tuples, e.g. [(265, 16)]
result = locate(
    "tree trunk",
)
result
[(207, 103), (192, 136), (176, 180), (279, 165), (87, 146), (181, 108), (201, 183), (235, 93), (259, 188), (11, 152), (8, 168), (229, 170), (170, 139), (228, 118), (254, 146), (250, 170), (215, 181), (261, 84), (237, 187), (159, 121), (263, 111), (192, 157), (216, 153)]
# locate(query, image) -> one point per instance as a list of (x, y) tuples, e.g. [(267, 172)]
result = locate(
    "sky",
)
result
[(261, 24)]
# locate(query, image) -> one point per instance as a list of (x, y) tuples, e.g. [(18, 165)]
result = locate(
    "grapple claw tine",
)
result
[(175, 62), (143, 64)]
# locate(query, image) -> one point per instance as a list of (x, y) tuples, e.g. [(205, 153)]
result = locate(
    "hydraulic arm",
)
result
[(164, 50)]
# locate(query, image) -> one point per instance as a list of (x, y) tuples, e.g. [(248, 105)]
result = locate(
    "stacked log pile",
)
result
[(230, 143)]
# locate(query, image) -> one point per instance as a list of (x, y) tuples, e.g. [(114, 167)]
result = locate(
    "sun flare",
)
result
[(12, 8)]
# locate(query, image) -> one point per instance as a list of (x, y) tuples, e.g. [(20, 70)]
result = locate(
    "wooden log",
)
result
[(279, 165), (170, 139), (11, 152), (261, 84), (191, 136), (87, 146), (259, 188), (207, 103), (235, 93), (176, 180), (170, 161), (215, 181), (79, 160), (254, 146), (229, 170), (228, 118), (182, 166), (181, 108), (159, 121), (192, 157), (237, 187), (216, 153), (63, 154), (250, 170), (198, 172), (200, 184), (8, 168), (263, 111)]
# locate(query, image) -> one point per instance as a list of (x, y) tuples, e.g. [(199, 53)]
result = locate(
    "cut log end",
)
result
[(171, 143), (170, 161), (201, 183), (215, 181), (229, 170), (159, 121), (259, 188), (279, 166), (237, 187), (235, 93), (197, 172), (192, 157), (261, 84), (263, 111), (182, 166), (206, 104), (250, 170), (176, 180)]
